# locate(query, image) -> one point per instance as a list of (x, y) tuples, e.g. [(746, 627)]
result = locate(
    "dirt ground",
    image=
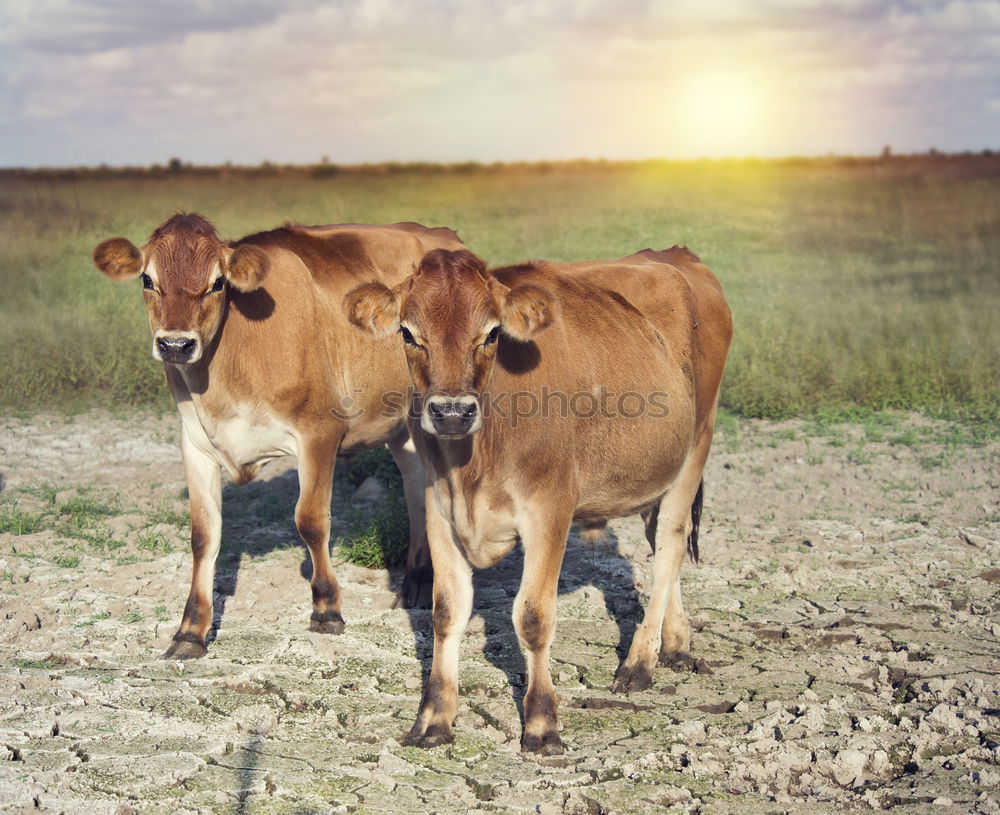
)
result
[(847, 640)]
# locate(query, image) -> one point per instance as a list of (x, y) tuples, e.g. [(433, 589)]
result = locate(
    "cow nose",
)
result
[(453, 417), (175, 349)]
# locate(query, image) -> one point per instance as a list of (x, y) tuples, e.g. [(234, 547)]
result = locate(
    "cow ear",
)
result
[(526, 311), (246, 267), (374, 309), (118, 258)]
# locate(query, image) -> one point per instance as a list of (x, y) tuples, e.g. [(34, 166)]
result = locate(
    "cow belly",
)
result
[(251, 441), (243, 441)]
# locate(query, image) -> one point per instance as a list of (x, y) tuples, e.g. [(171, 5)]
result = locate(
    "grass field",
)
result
[(856, 284)]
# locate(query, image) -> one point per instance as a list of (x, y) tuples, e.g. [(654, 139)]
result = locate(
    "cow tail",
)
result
[(695, 520)]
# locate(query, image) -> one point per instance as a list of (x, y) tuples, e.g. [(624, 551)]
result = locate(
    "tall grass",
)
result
[(855, 285)]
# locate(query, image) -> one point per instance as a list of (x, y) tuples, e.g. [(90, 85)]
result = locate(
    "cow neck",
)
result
[(196, 375)]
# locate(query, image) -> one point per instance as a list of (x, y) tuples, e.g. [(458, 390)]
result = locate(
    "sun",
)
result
[(722, 112)]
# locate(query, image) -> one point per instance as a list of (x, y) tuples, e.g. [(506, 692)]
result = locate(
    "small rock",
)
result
[(848, 768), (371, 490), (986, 778), (972, 539), (945, 716), (257, 719), (25, 620)]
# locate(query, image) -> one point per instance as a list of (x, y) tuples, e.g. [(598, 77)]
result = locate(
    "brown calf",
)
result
[(262, 364), (547, 394)]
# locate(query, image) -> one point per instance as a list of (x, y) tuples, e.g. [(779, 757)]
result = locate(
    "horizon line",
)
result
[(175, 164)]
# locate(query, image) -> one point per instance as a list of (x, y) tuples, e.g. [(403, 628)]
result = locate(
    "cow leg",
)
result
[(419, 581), (452, 607), (535, 623), (204, 483), (312, 519), (665, 623)]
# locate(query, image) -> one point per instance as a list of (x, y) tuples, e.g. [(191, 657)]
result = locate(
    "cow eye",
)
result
[(218, 285), (492, 336), (147, 281), (407, 336)]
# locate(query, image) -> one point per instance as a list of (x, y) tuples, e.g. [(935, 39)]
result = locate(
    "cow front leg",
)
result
[(312, 518), (534, 620), (204, 483), (452, 607), (416, 591)]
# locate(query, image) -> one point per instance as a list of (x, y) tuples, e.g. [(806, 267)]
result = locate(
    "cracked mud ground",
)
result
[(846, 616)]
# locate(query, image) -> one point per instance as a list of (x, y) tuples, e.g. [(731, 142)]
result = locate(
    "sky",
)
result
[(138, 82)]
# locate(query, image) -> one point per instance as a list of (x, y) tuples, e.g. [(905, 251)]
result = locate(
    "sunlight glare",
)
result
[(722, 112)]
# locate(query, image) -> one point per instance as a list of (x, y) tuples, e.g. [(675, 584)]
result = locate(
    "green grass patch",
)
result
[(16, 521), (377, 538), (67, 561), (92, 619), (856, 285), (170, 516), (151, 542), (378, 463), (38, 664)]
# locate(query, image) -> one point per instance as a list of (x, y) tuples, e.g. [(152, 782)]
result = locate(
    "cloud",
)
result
[(123, 82)]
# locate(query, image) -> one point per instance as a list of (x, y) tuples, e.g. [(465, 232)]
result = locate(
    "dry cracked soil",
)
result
[(846, 612)]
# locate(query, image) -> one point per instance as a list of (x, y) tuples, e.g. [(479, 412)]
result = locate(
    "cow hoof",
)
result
[(628, 680), (417, 591), (433, 736), (678, 661), (186, 649), (548, 744), (329, 622)]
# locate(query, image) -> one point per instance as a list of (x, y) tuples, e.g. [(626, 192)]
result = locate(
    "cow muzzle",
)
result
[(451, 417), (177, 347)]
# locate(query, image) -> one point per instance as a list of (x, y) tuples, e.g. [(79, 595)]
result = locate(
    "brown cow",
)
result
[(546, 394), (262, 364)]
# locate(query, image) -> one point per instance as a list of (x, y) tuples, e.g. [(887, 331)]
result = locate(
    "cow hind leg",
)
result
[(312, 519), (675, 642), (416, 591), (665, 631)]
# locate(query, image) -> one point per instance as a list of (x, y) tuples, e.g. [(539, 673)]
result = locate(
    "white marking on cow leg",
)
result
[(419, 575), (452, 607), (204, 483), (676, 633)]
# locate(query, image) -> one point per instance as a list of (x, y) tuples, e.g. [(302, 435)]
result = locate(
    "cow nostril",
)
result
[(436, 409), (176, 349), (469, 410)]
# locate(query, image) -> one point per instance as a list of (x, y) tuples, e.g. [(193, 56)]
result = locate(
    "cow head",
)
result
[(185, 270), (451, 314)]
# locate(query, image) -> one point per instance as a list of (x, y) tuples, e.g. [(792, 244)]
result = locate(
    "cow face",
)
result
[(185, 272), (450, 314)]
